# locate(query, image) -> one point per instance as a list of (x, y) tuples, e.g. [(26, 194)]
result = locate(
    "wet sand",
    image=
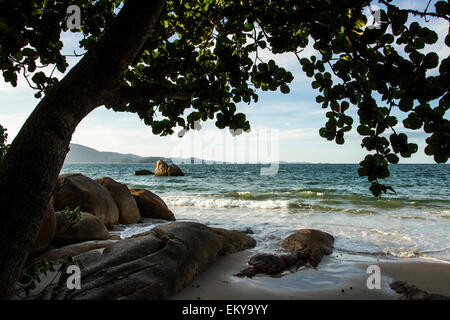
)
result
[(339, 276)]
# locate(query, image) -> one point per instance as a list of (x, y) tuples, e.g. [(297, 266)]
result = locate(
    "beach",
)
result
[(405, 235), (332, 280)]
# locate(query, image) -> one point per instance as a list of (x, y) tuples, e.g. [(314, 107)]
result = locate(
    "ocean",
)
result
[(413, 223)]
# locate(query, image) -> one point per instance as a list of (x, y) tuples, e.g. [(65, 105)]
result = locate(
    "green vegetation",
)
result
[(202, 58), (74, 215), (33, 272), (3, 146)]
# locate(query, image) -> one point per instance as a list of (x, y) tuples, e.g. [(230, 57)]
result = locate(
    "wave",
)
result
[(225, 203)]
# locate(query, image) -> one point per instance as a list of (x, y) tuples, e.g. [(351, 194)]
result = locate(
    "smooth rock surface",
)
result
[(143, 173), (88, 228), (161, 168), (309, 244), (74, 189), (124, 200), (174, 171), (151, 205), (154, 265)]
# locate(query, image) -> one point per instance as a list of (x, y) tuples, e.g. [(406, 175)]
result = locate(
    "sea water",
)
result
[(414, 222)]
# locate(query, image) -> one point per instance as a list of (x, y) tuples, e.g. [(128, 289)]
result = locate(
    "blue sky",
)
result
[(295, 118)]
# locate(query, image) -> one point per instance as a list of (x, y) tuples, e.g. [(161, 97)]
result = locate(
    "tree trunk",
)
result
[(36, 155)]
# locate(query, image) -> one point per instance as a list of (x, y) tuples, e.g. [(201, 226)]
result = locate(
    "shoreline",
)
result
[(338, 277)]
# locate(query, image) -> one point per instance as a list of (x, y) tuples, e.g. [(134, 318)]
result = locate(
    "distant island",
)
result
[(82, 154)]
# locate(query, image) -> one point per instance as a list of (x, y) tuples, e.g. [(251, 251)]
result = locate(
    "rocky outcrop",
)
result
[(46, 231), (124, 200), (411, 292), (309, 244), (155, 265), (305, 246), (151, 206), (143, 173), (161, 168), (58, 254), (174, 171), (74, 189), (88, 228)]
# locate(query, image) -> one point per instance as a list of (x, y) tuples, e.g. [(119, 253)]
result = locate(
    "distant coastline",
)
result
[(80, 154)]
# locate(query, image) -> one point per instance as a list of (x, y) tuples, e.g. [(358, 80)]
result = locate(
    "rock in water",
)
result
[(88, 228), (46, 231), (124, 200), (155, 265), (161, 168), (174, 171), (74, 189), (151, 206), (309, 244), (143, 173)]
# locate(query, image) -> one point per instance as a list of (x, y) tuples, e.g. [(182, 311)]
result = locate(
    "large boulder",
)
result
[(174, 171), (143, 173), (309, 244), (124, 200), (151, 206), (155, 265), (161, 168), (89, 227), (59, 254), (46, 231), (74, 189)]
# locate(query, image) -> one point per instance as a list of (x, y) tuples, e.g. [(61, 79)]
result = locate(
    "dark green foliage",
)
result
[(74, 215), (33, 272), (211, 49), (3, 146)]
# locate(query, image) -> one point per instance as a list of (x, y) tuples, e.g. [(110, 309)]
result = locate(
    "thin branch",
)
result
[(416, 12)]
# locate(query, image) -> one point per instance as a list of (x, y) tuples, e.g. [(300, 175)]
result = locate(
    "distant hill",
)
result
[(82, 154)]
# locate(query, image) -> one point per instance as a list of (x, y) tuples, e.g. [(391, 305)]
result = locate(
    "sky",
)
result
[(284, 127)]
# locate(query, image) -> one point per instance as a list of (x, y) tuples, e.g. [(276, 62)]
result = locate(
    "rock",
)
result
[(270, 264), (74, 189), (309, 244), (58, 254), (410, 292), (124, 200), (88, 228), (174, 171), (143, 173), (161, 168), (267, 263), (46, 231), (152, 266), (291, 260), (151, 206)]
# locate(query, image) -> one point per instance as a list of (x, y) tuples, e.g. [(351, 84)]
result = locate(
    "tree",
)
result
[(163, 60)]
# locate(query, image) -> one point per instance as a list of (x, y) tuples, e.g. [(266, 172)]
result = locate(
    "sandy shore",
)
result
[(339, 276)]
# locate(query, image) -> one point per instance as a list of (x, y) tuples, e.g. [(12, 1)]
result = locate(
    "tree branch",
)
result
[(417, 12), (122, 94)]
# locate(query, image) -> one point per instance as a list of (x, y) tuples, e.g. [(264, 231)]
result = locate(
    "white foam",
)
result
[(202, 202)]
